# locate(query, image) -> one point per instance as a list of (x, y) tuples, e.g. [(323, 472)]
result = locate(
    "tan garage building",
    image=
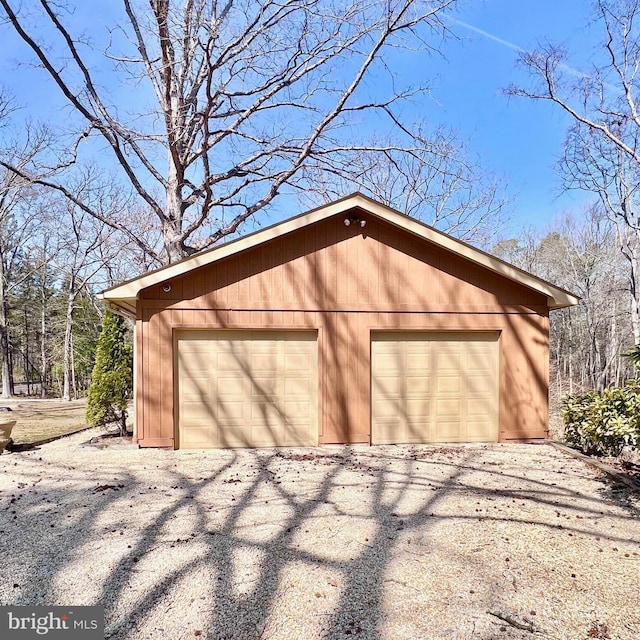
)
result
[(349, 323)]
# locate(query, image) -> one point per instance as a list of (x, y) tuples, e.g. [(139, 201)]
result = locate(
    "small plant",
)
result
[(633, 356), (602, 424), (112, 378)]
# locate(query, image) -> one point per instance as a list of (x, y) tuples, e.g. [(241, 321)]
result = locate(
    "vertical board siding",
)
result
[(330, 266), (345, 283), (153, 382), (165, 401), (140, 371), (344, 361)]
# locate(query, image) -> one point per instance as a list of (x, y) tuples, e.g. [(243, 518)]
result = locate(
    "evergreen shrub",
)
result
[(112, 377), (603, 423)]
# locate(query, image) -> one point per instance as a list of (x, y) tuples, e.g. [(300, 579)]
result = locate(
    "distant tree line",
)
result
[(53, 260), (583, 254)]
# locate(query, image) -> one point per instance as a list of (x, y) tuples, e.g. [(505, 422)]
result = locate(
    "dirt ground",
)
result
[(39, 419), (482, 542)]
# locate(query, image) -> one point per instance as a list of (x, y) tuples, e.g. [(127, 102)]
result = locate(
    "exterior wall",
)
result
[(346, 282)]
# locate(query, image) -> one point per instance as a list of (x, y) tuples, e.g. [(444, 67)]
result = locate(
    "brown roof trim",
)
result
[(124, 295)]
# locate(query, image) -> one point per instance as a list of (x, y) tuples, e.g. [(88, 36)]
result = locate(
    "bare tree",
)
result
[(581, 254), (43, 252), (595, 164), (246, 94), (18, 210), (82, 255), (433, 182), (602, 154)]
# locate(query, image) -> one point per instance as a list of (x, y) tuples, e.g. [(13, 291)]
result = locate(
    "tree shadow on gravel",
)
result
[(206, 522)]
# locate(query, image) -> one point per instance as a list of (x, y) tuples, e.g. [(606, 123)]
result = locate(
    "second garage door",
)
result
[(434, 387), (247, 389)]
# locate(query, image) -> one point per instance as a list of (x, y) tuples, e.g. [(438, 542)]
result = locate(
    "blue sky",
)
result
[(514, 138)]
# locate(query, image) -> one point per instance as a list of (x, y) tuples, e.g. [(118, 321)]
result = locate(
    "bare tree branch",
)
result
[(244, 96), (602, 149)]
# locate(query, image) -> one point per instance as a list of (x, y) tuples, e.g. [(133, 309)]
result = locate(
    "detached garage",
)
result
[(350, 323)]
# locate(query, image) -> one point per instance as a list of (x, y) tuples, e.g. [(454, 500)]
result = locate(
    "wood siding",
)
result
[(345, 283)]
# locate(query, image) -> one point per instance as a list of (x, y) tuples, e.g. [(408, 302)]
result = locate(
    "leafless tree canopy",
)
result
[(602, 150), (603, 98), (433, 181), (581, 254), (228, 101)]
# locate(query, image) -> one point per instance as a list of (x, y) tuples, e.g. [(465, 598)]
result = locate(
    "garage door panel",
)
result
[(199, 363), (196, 346), (262, 362), (195, 411), (297, 438), (416, 362), (387, 431), (257, 389), (387, 362), (229, 362), (446, 408), (200, 437), (415, 385), (267, 411), (232, 438), (479, 431), (448, 383), (480, 406), (296, 362), (229, 409), (449, 431), (434, 387), (418, 433), (229, 385), (387, 409), (479, 386), (265, 386), (296, 411), (195, 388), (265, 436), (447, 363), (297, 387), (388, 385), (415, 409)]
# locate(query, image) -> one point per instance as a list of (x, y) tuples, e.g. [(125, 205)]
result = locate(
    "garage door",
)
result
[(247, 389), (434, 387)]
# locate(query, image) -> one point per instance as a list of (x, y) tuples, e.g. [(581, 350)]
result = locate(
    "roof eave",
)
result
[(562, 302), (122, 306)]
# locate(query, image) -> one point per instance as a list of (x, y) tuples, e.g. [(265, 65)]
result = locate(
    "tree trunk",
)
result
[(68, 343), (7, 390), (26, 350), (570, 352), (630, 248), (74, 385), (44, 365), (172, 226)]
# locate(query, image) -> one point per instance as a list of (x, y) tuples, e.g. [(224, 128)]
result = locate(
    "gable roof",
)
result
[(123, 296)]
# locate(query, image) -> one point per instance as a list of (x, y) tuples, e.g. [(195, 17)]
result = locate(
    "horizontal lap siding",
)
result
[(346, 284)]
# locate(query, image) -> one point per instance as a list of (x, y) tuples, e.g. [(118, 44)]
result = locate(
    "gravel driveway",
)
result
[(480, 541)]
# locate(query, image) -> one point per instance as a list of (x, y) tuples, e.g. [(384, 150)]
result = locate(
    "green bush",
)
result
[(112, 378), (602, 424)]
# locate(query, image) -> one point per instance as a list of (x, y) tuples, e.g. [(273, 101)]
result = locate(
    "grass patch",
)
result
[(40, 419)]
